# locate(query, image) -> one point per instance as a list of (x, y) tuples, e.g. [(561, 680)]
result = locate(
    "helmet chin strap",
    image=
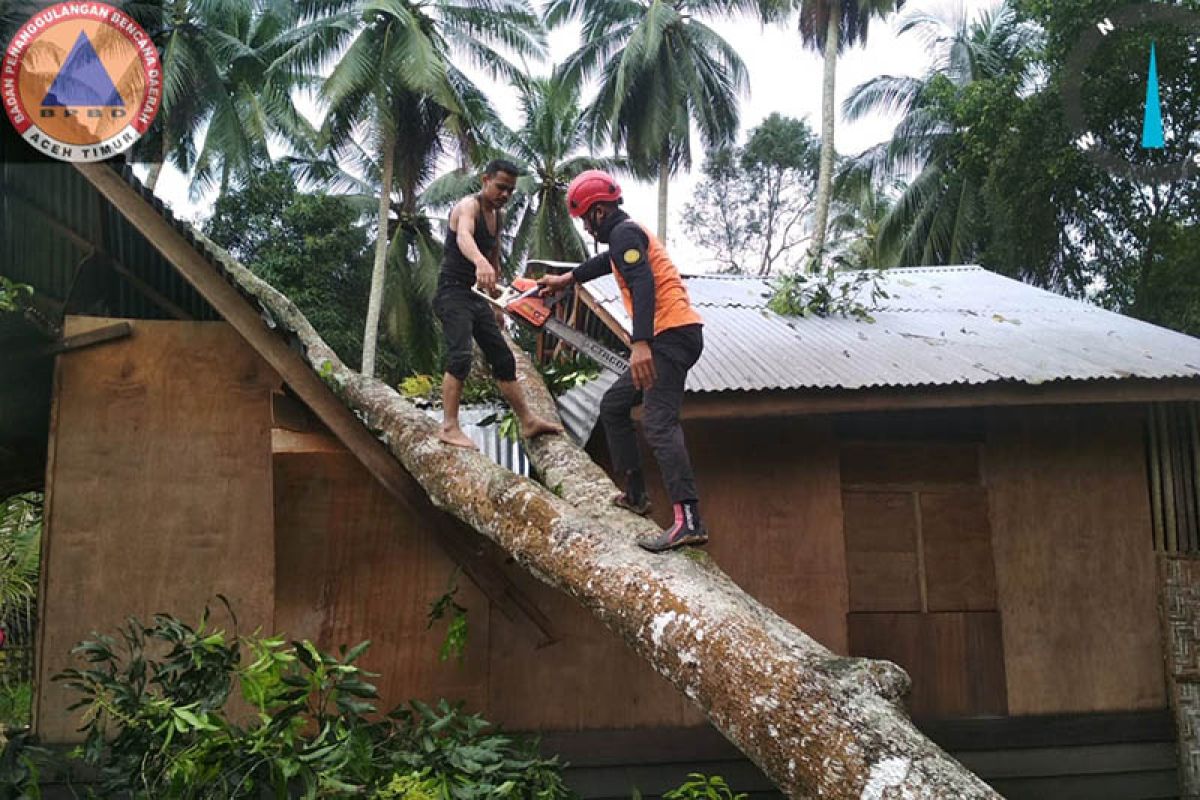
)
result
[(594, 229)]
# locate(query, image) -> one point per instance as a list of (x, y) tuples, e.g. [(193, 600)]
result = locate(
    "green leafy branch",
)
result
[(702, 787), (455, 643), (13, 295), (156, 725), (826, 293)]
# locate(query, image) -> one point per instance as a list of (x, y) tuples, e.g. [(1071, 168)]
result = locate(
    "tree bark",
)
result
[(156, 168), (664, 178), (819, 725), (375, 300), (828, 151)]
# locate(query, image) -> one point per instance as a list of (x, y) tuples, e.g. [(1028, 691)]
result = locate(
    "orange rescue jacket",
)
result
[(672, 307)]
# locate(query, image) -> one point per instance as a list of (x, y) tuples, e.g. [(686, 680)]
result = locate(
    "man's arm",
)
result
[(628, 245), (627, 249), (589, 270), (593, 268), (485, 271)]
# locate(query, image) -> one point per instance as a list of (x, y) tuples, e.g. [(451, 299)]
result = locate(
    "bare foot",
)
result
[(453, 435), (536, 426)]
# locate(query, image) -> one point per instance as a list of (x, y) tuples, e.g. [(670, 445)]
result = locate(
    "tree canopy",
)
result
[(752, 209)]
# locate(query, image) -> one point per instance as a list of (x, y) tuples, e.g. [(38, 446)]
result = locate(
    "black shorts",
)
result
[(465, 316)]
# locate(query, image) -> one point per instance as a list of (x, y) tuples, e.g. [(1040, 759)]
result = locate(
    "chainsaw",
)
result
[(523, 301)]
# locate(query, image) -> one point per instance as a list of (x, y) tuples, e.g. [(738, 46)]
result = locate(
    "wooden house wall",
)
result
[(355, 569), (770, 494), (1044, 509), (352, 566), (918, 551), (1075, 563), (159, 490)]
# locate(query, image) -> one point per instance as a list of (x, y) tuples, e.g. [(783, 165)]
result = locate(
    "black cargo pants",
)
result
[(675, 351)]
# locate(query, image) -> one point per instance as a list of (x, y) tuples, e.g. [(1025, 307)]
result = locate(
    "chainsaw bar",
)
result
[(587, 345), (536, 313)]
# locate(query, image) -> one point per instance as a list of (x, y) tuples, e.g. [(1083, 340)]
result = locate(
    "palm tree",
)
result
[(415, 252), (20, 532), (222, 101), (860, 208), (550, 136), (393, 79), (830, 26), (414, 249), (939, 217), (660, 68)]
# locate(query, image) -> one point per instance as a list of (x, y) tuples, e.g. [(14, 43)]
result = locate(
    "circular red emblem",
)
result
[(81, 81)]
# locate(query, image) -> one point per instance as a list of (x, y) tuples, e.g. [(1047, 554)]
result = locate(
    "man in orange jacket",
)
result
[(667, 341)]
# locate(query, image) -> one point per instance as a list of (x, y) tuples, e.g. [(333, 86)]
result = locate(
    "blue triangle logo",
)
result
[(1152, 125), (83, 81)]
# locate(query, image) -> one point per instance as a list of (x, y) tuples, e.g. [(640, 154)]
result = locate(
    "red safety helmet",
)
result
[(590, 187)]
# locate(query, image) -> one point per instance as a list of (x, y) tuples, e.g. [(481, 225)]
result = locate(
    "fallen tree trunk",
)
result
[(818, 724)]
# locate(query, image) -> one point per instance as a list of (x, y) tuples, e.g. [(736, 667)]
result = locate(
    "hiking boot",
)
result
[(640, 506), (687, 530), (634, 498)]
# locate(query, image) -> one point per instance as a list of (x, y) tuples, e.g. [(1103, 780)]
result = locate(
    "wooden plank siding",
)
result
[(770, 494), (957, 541), (881, 551), (918, 550), (589, 679), (777, 525), (1075, 569), (956, 660), (351, 566), (761, 502), (160, 493), (354, 565)]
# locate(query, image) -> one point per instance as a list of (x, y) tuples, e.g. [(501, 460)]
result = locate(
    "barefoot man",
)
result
[(473, 257)]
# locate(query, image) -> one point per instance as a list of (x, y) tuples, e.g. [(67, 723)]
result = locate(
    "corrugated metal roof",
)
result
[(579, 407), (939, 326), (482, 425), (52, 223)]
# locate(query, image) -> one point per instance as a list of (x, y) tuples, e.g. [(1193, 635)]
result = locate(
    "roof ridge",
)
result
[(725, 276)]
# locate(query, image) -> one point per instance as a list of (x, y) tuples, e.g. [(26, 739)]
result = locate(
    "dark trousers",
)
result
[(465, 315), (675, 350)]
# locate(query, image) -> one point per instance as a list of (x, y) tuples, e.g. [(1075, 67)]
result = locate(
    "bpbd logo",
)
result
[(1163, 152), (81, 81)]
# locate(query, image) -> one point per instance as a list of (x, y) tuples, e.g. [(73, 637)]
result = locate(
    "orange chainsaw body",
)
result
[(528, 303)]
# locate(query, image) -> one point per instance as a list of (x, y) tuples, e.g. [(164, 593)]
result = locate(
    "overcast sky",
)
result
[(784, 77)]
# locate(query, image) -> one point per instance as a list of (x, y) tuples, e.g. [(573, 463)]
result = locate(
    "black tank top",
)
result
[(457, 269)]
